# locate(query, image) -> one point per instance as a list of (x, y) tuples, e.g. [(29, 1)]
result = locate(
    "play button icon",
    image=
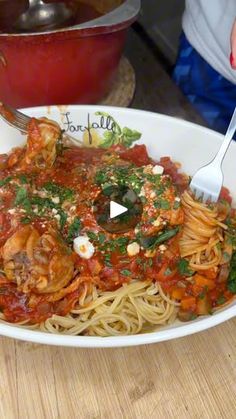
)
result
[(117, 209)]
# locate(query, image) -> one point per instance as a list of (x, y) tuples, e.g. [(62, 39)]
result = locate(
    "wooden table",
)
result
[(192, 377)]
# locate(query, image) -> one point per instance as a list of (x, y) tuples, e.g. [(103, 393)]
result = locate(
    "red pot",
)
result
[(72, 65)]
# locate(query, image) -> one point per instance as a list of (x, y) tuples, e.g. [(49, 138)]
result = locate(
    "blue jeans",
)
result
[(212, 95)]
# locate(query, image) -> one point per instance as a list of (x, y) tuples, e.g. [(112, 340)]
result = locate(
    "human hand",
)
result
[(233, 47)]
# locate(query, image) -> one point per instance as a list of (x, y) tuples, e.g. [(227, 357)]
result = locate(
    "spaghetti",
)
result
[(133, 308), (203, 233)]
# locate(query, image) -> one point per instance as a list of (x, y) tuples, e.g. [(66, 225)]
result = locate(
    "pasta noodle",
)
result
[(133, 308), (202, 234)]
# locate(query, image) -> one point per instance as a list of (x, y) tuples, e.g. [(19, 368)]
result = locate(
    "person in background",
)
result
[(206, 65)]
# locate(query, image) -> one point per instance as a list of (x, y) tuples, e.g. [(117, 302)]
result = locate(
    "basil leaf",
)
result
[(149, 242)]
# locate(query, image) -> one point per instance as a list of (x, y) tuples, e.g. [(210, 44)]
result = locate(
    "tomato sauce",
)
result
[(73, 175)]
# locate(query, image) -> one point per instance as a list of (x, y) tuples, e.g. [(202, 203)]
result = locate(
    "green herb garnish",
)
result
[(231, 282), (92, 236), (101, 238), (101, 177), (22, 199), (221, 300), (107, 260), (176, 205), (63, 218), (74, 230), (23, 179), (151, 242), (26, 220), (21, 195), (202, 294), (64, 194), (5, 181), (125, 272), (183, 268), (164, 204), (168, 272)]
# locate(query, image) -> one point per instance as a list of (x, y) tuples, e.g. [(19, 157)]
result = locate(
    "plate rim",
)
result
[(186, 329)]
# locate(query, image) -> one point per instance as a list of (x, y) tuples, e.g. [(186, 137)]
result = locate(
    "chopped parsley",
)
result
[(203, 293), (23, 179), (231, 282), (22, 199), (21, 195), (168, 272), (92, 236), (126, 272), (43, 203), (74, 230), (108, 190), (165, 204), (64, 194), (159, 190), (128, 176), (144, 264), (109, 246), (156, 204), (149, 262), (143, 199), (63, 218), (5, 181), (139, 261), (162, 204), (121, 244), (183, 268), (107, 260), (221, 300), (101, 177), (101, 238), (176, 205), (25, 220)]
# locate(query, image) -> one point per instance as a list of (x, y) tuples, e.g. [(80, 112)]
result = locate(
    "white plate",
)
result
[(187, 143)]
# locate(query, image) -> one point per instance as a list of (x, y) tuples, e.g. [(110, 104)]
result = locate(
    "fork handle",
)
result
[(227, 140)]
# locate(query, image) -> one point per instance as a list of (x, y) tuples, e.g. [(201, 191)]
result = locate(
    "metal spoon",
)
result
[(40, 16)]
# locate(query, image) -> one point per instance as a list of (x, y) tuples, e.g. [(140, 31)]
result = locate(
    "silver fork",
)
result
[(14, 118), (20, 121), (208, 180)]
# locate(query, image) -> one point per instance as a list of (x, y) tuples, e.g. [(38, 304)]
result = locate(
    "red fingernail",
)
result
[(232, 61)]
